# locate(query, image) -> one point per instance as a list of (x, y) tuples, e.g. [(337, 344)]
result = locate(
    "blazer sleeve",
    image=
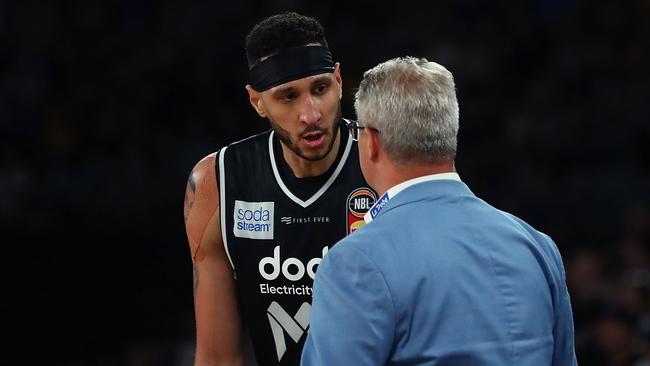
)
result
[(563, 332), (352, 320)]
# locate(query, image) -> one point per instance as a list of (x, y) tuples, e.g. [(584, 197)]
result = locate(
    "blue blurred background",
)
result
[(105, 106)]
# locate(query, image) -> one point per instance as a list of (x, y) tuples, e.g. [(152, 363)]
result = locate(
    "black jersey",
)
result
[(275, 235)]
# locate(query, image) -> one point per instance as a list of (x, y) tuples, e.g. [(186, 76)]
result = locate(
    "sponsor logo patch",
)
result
[(358, 203), (383, 200), (288, 220), (253, 220), (291, 268)]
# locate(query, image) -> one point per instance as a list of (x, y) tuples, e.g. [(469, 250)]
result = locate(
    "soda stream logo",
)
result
[(281, 322), (253, 220)]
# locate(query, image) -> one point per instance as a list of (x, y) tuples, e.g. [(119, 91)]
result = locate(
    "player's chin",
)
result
[(315, 154)]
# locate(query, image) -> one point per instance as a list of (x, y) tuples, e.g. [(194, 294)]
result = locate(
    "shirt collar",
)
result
[(393, 191)]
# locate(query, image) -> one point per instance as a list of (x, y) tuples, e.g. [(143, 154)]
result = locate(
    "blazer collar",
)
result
[(393, 191)]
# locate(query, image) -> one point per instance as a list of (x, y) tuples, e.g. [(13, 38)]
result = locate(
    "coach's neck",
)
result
[(383, 172), (393, 173)]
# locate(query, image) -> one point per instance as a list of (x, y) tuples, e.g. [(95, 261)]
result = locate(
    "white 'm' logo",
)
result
[(282, 322)]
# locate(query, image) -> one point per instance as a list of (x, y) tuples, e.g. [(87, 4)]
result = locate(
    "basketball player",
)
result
[(261, 213)]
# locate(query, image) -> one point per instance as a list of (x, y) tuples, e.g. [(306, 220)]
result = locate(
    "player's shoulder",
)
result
[(260, 139), (208, 162), (205, 164), (202, 178), (204, 170)]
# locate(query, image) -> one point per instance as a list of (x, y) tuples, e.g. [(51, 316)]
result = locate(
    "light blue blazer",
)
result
[(441, 278)]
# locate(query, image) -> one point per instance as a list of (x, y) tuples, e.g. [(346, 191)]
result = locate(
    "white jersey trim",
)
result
[(222, 204), (325, 186)]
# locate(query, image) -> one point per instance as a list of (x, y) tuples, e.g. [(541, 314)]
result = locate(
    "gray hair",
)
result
[(412, 102)]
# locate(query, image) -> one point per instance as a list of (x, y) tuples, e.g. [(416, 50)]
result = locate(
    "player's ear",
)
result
[(339, 80), (256, 101)]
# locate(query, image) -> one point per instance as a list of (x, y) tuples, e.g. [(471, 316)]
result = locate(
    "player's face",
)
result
[(305, 113)]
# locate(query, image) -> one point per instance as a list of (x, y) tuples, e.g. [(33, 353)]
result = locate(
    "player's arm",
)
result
[(218, 324)]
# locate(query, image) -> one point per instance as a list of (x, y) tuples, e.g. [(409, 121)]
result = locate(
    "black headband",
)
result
[(291, 64)]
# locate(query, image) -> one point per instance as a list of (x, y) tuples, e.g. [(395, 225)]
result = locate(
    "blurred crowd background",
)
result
[(105, 106)]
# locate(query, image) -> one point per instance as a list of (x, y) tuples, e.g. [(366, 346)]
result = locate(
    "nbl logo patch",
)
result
[(358, 203)]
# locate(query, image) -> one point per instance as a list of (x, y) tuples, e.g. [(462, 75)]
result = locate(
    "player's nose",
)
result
[(309, 111)]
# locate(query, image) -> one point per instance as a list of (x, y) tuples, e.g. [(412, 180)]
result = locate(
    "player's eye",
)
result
[(289, 97), (321, 88)]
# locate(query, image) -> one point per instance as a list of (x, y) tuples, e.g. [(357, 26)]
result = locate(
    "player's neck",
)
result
[(306, 168)]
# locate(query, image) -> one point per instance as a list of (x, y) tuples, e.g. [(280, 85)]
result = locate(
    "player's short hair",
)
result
[(279, 32), (412, 102)]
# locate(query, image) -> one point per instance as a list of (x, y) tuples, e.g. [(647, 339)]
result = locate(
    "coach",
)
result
[(439, 277)]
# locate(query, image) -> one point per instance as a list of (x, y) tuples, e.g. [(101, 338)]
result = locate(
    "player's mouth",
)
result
[(314, 139)]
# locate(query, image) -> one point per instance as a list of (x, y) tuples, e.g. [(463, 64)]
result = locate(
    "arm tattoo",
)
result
[(191, 181), (190, 190), (195, 275)]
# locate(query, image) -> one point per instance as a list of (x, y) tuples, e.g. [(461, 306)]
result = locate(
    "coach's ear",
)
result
[(374, 146), (256, 101)]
